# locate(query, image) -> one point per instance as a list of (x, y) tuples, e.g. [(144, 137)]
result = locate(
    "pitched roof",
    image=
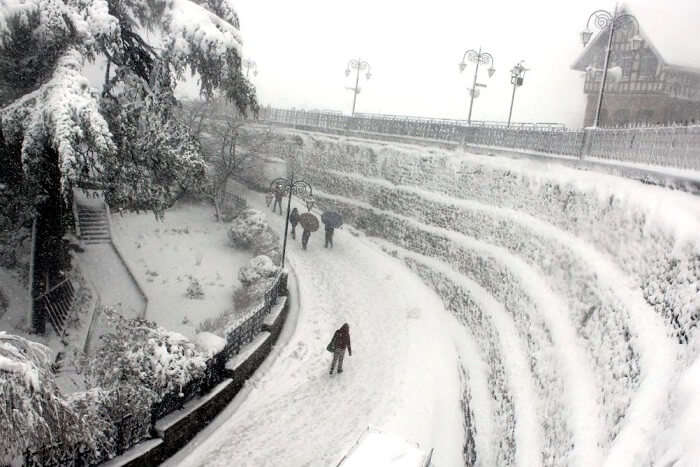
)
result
[(670, 29)]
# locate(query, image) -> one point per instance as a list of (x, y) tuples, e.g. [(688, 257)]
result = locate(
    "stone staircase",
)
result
[(94, 224)]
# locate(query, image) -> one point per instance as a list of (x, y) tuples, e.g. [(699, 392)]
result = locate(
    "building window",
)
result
[(622, 117), (647, 66), (645, 116)]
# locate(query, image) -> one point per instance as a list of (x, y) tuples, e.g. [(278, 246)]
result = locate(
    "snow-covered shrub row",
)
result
[(250, 230), (653, 238), (600, 319), (481, 326), (502, 284)]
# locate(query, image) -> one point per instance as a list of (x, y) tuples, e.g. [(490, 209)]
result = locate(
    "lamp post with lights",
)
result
[(358, 65), (480, 58), (517, 75), (603, 19)]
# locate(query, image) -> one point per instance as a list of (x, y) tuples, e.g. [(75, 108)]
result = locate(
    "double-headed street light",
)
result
[(359, 65), (517, 75), (250, 64), (603, 19), (480, 58), (291, 186)]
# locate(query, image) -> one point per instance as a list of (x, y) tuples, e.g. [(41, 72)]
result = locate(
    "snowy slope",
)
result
[(403, 376)]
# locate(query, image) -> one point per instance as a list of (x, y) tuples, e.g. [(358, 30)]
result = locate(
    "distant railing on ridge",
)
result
[(667, 146)]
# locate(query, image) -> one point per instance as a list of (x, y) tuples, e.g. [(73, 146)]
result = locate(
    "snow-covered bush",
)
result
[(145, 355), (260, 267), (194, 289), (210, 343), (246, 228), (250, 230)]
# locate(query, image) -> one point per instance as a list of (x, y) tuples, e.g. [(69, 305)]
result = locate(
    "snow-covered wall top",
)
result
[(581, 290)]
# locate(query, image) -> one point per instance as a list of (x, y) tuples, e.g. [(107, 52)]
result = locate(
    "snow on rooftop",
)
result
[(670, 29)]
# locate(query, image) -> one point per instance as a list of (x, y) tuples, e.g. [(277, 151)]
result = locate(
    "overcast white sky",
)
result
[(302, 48)]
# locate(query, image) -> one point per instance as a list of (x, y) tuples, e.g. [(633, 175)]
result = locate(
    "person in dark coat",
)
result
[(278, 199), (329, 237), (305, 238), (340, 342), (294, 220)]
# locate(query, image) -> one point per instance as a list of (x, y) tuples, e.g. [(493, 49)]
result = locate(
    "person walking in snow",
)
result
[(294, 220), (329, 237), (278, 199), (338, 344), (305, 238)]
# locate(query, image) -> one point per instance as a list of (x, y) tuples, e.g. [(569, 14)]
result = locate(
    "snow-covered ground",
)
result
[(403, 376), (579, 289), (187, 244)]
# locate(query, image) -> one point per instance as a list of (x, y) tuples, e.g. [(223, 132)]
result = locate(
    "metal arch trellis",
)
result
[(299, 188)]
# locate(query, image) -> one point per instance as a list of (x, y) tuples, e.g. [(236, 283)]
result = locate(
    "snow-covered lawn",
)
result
[(169, 255)]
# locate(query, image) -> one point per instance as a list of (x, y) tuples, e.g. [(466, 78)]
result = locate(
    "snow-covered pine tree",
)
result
[(54, 124)]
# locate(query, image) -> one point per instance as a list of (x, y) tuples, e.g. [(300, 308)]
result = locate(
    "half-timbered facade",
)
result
[(648, 82)]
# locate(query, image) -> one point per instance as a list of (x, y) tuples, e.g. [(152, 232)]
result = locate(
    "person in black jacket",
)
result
[(340, 341), (294, 219), (278, 194)]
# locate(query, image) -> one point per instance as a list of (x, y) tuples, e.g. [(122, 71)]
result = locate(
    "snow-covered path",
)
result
[(403, 376), (106, 271)]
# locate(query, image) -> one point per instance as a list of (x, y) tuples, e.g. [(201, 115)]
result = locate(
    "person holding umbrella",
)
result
[(294, 219), (309, 223), (332, 220), (329, 237)]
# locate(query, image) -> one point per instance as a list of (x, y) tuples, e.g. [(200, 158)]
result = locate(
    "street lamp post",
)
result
[(480, 58), (250, 64), (517, 75), (359, 65), (603, 19), (291, 186)]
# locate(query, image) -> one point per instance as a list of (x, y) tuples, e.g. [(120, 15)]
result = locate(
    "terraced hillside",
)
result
[(580, 290)]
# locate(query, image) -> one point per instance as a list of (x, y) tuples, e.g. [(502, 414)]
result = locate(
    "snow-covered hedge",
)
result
[(565, 252), (146, 355)]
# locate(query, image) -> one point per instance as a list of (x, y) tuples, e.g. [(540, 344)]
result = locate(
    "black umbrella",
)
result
[(332, 219)]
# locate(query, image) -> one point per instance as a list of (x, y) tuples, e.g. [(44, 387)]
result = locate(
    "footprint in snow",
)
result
[(413, 313)]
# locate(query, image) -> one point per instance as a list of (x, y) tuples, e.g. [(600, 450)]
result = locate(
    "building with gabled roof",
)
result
[(657, 82)]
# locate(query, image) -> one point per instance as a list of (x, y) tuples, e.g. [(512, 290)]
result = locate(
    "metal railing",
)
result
[(128, 427), (56, 305), (668, 146)]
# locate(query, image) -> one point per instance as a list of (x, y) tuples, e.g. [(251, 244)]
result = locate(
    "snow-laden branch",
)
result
[(62, 113)]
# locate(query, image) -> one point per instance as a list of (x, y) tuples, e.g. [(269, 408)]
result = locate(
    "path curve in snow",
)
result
[(403, 376)]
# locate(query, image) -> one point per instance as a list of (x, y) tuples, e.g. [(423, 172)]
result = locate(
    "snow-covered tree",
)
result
[(32, 411), (228, 145), (53, 123)]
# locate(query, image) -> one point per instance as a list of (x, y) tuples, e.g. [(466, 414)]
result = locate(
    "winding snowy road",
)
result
[(403, 376)]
